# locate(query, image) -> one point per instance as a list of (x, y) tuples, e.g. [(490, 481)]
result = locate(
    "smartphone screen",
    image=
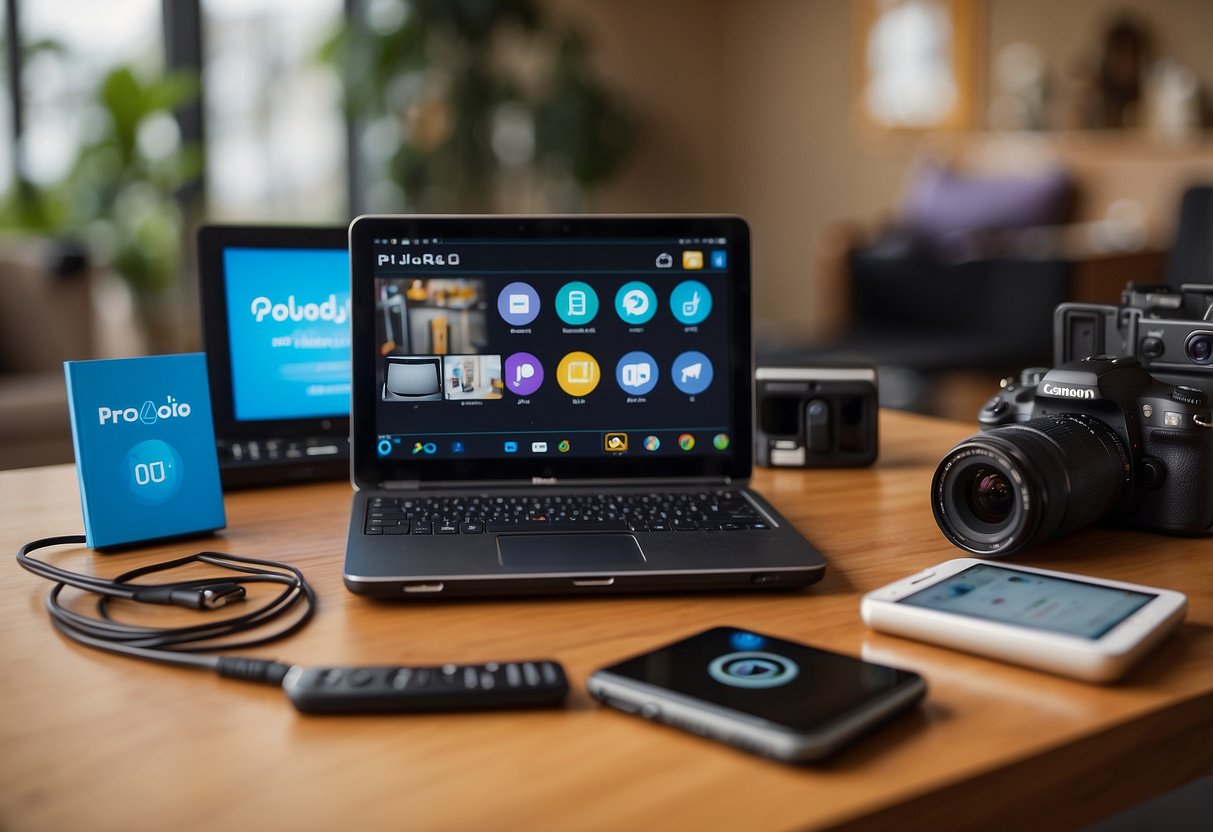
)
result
[(1026, 599), (793, 685)]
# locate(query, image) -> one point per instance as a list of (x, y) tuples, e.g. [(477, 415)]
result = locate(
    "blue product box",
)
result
[(145, 448)]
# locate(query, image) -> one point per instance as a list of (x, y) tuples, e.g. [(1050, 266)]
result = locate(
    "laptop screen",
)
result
[(500, 349), (288, 316), (276, 308)]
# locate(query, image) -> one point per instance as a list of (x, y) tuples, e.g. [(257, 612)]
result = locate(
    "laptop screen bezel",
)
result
[(371, 471), (213, 241)]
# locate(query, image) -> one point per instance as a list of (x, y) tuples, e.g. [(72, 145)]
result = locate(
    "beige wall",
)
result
[(746, 107)]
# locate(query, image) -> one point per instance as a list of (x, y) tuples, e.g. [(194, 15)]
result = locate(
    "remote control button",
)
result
[(469, 677), (361, 677), (549, 673), (512, 675), (401, 680), (531, 674)]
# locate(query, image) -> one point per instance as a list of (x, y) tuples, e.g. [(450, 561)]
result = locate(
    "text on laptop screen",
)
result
[(288, 314), (553, 348)]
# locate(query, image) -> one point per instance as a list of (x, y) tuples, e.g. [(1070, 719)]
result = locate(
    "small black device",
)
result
[(819, 416), (449, 687), (1170, 332), (276, 323), (765, 695), (1097, 440)]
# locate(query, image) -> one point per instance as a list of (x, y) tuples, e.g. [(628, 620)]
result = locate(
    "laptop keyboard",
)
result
[(481, 514)]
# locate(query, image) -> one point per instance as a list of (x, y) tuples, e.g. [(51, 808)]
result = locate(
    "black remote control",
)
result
[(448, 687)]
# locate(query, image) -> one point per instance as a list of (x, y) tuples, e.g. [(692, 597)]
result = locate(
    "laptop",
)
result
[(556, 405), (275, 321)]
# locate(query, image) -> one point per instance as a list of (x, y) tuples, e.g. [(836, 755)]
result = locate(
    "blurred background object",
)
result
[(472, 106), (128, 122)]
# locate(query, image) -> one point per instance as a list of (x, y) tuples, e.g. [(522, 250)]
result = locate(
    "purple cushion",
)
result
[(943, 206)]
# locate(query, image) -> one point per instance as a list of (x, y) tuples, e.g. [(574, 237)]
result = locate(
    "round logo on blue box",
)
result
[(636, 373), (692, 372), (576, 303), (152, 471), (690, 301), (635, 302)]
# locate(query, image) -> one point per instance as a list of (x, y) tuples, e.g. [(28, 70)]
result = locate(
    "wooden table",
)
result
[(89, 740)]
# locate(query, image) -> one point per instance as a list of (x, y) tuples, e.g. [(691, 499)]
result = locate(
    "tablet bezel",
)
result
[(213, 240)]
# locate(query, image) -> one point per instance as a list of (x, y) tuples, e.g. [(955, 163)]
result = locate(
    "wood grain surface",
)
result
[(89, 740)]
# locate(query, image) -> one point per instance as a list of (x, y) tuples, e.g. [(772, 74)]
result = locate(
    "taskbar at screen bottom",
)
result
[(703, 441)]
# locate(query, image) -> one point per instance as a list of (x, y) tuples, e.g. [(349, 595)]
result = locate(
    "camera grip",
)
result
[(1183, 504)]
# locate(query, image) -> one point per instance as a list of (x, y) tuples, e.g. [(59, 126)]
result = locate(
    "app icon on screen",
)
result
[(576, 303), (635, 302), (523, 373), (518, 304), (578, 373), (636, 373), (690, 301), (615, 442), (692, 259), (691, 372)]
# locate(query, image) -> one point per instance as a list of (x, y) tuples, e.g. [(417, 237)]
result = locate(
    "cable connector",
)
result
[(267, 671), (208, 597)]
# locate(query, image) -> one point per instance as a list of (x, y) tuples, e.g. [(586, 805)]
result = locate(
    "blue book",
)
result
[(145, 448)]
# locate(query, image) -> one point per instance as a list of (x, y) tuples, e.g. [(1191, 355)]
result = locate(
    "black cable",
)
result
[(181, 646)]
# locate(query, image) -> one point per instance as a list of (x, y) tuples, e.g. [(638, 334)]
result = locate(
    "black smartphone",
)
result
[(772, 697)]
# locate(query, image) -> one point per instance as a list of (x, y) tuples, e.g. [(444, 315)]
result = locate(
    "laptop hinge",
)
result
[(417, 485)]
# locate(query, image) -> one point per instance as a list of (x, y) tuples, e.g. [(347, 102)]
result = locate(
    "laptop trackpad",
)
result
[(569, 552)]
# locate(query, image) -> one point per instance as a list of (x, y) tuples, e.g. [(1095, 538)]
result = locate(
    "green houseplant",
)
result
[(118, 199), (476, 105)]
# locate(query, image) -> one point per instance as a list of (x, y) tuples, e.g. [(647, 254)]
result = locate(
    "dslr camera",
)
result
[(1170, 332), (1093, 441)]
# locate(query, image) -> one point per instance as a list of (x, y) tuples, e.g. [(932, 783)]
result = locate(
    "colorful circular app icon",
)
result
[(518, 304), (153, 471), (563, 446), (651, 443), (721, 441), (578, 373), (753, 670), (692, 372), (636, 373), (686, 441), (690, 301), (523, 373), (635, 302), (576, 303)]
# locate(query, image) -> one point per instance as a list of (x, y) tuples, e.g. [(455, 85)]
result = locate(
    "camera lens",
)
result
[(1018, 485), (990, 496), (1199, 347)]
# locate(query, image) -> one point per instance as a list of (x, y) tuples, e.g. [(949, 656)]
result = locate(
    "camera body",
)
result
[(1096, 440), (1170, 332), (821, 416)]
